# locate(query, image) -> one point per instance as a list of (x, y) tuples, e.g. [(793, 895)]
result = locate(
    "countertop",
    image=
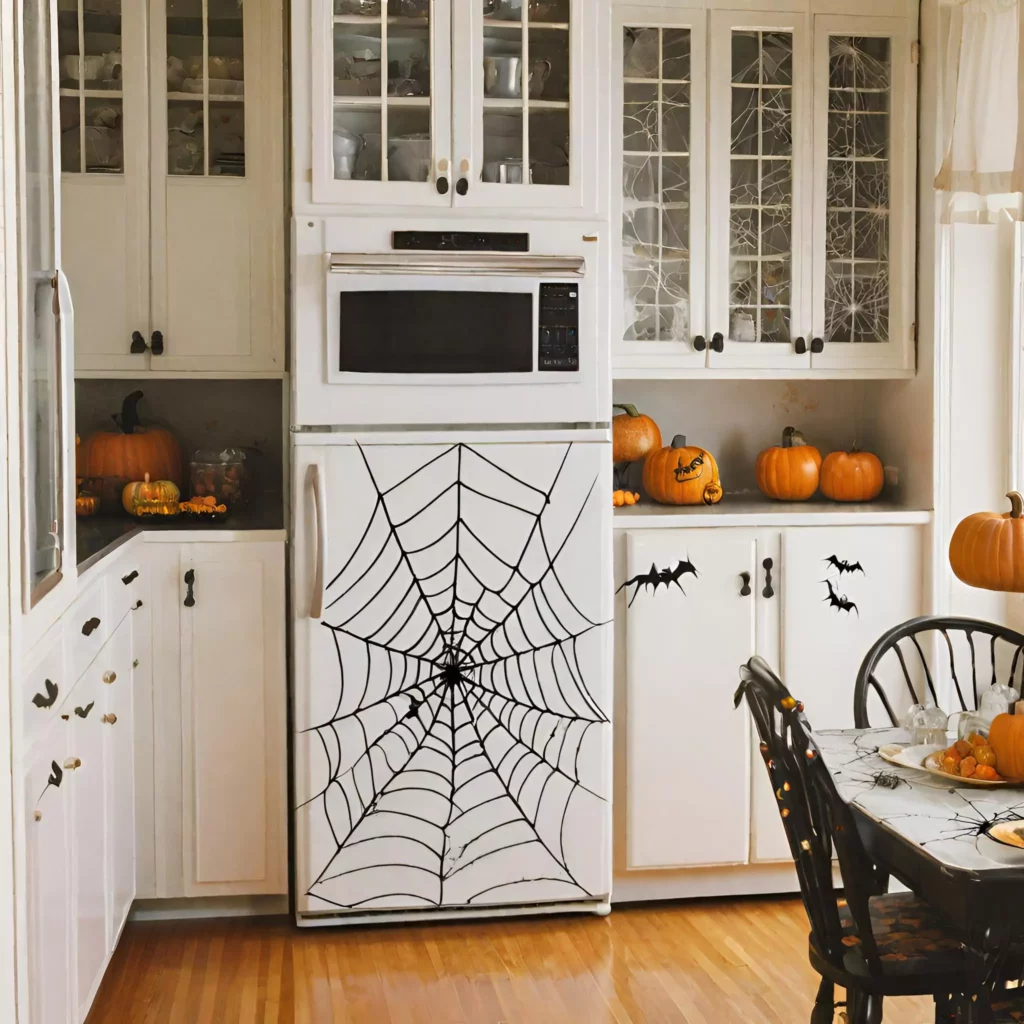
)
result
[(97, 536)]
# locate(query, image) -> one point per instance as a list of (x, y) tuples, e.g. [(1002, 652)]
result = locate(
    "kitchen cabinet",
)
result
[(782, 241), (434, 103), (172, 183), (740, 592)]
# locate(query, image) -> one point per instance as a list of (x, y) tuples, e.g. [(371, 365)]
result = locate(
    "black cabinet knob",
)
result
[(133, 575), (90, 626), (745, 589), (817, 345), (699, 344), (442, 186), (190, 579), (717, 342), (801, 346), (462, 186), (768, 565), (138, 345), (156, 344)]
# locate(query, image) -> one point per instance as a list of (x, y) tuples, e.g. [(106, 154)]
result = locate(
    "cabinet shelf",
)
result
[(369, 21), (213, 97), (557, 26), (374, 102), (493, 103), (93, 94)]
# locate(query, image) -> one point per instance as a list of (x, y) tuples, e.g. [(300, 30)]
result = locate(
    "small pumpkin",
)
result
[(1006, 738), (852, 476), (634, 435), (151, 497), (682, 475), (987, 549), (789, 471), (86, 504)]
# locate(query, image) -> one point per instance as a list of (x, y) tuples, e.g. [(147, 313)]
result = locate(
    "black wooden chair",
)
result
[(977, 654), (872, 943)]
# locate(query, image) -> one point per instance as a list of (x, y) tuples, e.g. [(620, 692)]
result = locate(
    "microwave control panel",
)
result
[(559, 341)]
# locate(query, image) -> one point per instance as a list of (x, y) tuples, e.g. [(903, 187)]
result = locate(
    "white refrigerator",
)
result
[(452, 600)]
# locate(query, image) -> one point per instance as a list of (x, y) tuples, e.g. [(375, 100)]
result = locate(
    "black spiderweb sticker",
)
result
[(463, 761)]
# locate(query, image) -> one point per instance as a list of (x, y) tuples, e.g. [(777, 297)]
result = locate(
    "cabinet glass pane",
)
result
[(761, 186), (382, 90), (857, 191), (89, 45), (39, 340), (656, 183), (526, 81), (205, 88)]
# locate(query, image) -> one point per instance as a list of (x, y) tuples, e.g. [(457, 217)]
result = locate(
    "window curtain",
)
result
[(983, 99)]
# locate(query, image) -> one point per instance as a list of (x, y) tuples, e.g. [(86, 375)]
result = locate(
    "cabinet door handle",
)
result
[(817, 345), (133, 575), (745, 589), (48, 699), (156, 345), (138, 345), (801, 346), (84, 712), (72, 763), (316, 604), (441, 185), (699, 344), (462, 186), (90, 625), (110, 677), (137, 605), (768, 565), (717, 342), (110, 718), (190, 598)]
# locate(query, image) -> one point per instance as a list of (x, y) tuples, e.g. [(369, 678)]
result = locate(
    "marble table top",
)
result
[(945, 820)]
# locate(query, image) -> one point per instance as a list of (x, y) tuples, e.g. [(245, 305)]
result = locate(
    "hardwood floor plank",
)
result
[(701, 962)]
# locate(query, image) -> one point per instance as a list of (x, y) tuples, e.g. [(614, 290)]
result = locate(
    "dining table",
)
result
[(931, 832)]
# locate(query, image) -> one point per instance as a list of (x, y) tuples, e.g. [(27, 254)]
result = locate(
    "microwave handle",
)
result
[(316, 604)]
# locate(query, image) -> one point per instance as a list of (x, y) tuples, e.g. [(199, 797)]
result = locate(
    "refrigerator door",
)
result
[(452, 675)]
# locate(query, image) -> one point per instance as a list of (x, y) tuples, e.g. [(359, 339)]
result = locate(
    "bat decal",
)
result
[(841, 566), (680, 471), (659, 577), (839, 600)]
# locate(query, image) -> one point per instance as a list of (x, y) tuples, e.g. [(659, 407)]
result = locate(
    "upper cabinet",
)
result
[(479, 104), (781, 237), (173, 197)]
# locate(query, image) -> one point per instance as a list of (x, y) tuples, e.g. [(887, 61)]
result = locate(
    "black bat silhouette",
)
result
[(680, 471), (660, 577), (842, 566), (839, 600)]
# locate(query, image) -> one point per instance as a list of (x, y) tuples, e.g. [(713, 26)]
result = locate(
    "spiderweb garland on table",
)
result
[(462, 758)]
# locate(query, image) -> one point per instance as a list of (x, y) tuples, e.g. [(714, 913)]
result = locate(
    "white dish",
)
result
[(908, 756)]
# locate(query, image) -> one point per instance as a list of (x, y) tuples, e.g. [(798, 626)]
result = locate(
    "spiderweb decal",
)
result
[(462, 761)]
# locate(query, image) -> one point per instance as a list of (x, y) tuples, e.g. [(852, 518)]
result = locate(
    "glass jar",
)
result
[(926, 725), (221, 475)]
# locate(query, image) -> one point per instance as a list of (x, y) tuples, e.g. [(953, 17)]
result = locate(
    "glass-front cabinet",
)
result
[(787, 245), (171, 117), (442, 103)]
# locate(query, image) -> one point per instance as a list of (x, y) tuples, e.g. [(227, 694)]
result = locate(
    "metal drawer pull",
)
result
[(90, 625), (190, 597), (48, 700), (135, 662), (109, 677), (133, 575), (137, 605), (110, 718), (745, 589), (72, 763), (768, 564), (84, 712)]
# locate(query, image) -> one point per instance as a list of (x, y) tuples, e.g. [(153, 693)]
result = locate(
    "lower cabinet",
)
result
[(699, 602)]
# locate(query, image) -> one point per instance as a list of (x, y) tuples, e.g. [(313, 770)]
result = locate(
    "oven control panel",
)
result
[(559, 344)]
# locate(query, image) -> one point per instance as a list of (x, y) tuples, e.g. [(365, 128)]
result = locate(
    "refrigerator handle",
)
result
[(316, 604)]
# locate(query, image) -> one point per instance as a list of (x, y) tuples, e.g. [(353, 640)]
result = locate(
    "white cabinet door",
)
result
[(759, 209), (659, 175), (689, 627), (48, 905), (452, 674), (354, 107), (89, 845), (117, 720), (233, 708), (864, 189)]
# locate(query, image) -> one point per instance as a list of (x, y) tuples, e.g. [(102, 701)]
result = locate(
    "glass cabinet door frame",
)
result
[(758, 354), (665, 356), (897, 352), (326, 189)]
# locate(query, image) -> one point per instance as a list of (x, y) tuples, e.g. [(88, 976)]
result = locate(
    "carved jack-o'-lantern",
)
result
[(682, 475)]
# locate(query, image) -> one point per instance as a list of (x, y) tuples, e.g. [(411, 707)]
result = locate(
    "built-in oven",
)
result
[(458, 327)]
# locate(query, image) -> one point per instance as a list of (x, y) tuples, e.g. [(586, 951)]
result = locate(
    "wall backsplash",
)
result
[(213, 414), (735, 419)]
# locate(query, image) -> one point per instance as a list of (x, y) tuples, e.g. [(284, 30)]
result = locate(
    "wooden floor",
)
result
[(704, 962)]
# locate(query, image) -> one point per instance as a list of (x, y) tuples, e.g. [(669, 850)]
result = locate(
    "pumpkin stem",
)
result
[(629, 410), (130, 413), (1016, 504), (679, 441), (792, 438)]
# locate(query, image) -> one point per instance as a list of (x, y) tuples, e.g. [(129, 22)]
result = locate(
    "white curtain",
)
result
[(983, 99)]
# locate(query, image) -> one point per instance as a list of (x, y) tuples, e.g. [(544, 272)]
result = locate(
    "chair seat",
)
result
[(911, 938)]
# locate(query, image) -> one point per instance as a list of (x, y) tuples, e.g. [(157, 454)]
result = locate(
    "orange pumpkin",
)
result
[(148, 498), (682, 475), (790, 471), (634, 435), (987, 549), (86, 504), (852, 476), (1006, 737), (118, 457)]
